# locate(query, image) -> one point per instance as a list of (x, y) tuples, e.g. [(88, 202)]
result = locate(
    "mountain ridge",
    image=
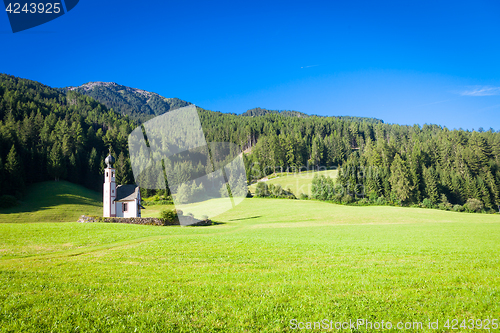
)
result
[(137, 103), (142, 105)]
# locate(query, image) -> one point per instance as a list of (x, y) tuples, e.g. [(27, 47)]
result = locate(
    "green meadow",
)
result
[(298, 182), (54, 202), (268, 262)]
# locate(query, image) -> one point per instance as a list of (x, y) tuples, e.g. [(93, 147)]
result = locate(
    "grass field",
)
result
[(54, 202), (270, 261), (297, 182)]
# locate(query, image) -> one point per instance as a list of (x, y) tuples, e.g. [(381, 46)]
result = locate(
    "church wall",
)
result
[(131, 209), (119, 211)]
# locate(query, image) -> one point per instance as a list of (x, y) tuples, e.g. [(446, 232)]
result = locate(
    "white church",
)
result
[(121, 200)]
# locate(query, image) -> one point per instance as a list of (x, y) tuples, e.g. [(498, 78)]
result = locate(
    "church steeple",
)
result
[(109, 193)]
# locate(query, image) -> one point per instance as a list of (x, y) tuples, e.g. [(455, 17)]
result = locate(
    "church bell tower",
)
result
[(109, 193)]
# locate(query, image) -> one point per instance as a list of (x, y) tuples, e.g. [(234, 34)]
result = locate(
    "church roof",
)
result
[(127, 192)]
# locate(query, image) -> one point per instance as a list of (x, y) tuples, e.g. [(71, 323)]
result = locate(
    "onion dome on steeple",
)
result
[(110, 160)]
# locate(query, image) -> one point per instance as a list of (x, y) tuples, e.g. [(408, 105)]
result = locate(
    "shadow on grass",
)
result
[(43, 196), (203, 225), (217, 223), (246, 218)]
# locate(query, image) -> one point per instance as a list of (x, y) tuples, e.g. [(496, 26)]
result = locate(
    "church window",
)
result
[(125, 207)]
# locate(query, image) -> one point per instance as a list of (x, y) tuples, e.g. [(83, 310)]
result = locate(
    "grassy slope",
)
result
[(271, 261), (154, 210), (297, 182), (54, 202)]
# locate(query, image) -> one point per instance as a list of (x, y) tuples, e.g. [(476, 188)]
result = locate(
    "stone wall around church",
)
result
[(139, 220)]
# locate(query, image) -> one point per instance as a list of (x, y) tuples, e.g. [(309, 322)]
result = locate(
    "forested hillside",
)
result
[(256, 112), (385, 163), (259, 112), (46, 134), (136, 103)]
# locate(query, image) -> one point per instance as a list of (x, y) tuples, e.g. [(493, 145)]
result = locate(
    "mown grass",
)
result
[(297, 182), (270, 261)]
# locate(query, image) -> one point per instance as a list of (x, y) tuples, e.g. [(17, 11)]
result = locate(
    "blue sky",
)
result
[(403, 62)]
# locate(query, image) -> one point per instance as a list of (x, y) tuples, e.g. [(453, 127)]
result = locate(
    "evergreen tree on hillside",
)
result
[(14, 182), (124, 174), (316, 152), (57, 166), (400, 179)]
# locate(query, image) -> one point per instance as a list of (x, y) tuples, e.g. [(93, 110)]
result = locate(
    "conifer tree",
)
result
[(123, 170), (399, 179), (430, 180), (14, 179), (57, 165)]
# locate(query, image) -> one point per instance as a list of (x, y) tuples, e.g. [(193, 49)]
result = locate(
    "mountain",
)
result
[(143, 105), (136, 103)]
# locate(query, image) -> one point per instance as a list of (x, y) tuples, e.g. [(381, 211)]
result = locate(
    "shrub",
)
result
[(168, 215), (347, 199), (381, 201), (322, 188), (394, 199), (7, 201), (337, 197), (261, 190), (286, 193), (373, 196), (364, 202), (304, 196), (473, 205), (276, 190), (445, 206), (159, 202), (427, 203), (458, 208)]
